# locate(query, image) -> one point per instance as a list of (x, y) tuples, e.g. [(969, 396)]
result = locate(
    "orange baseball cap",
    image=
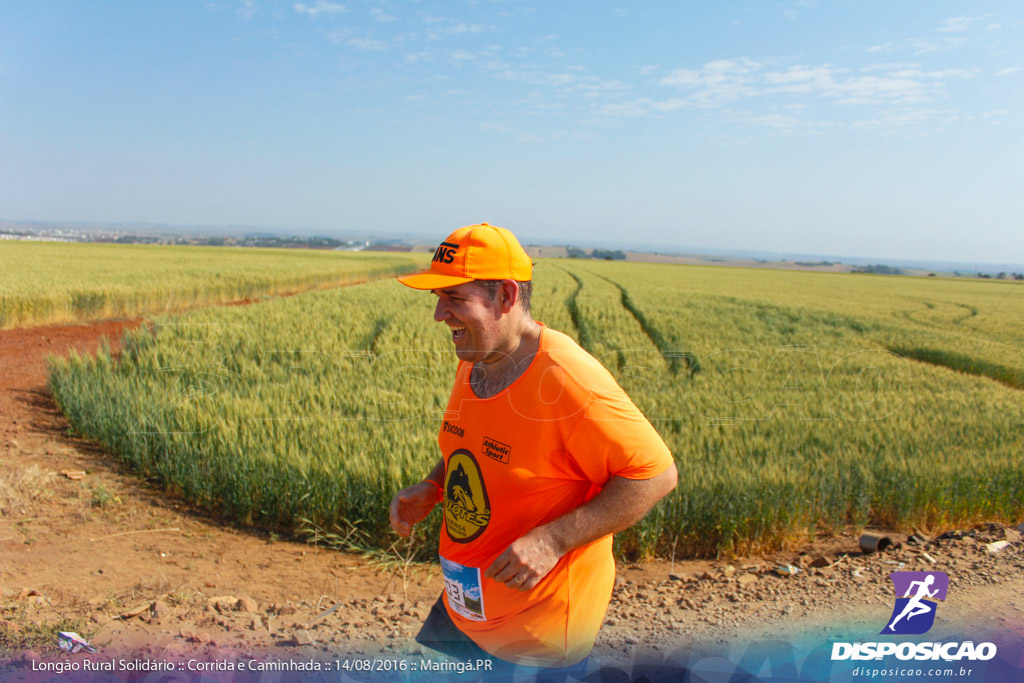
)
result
[(475, 252)]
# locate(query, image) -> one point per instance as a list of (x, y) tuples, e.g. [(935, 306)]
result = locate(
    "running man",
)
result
[(543, 458)]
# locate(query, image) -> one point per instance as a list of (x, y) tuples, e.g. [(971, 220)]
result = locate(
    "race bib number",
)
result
[(462, 584)]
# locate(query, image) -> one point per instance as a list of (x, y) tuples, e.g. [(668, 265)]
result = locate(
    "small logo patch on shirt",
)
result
[(497, 450), (452, 429)]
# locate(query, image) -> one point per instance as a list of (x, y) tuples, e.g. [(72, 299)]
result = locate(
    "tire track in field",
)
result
[(971, 312), (958, 362), (674, 358), (578, 321), (379, 326), (911, 315)]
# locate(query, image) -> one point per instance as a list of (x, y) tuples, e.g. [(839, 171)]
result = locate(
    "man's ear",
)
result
[(508, 295)]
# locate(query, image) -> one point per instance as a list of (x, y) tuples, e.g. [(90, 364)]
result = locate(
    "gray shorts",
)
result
[(440, 633)]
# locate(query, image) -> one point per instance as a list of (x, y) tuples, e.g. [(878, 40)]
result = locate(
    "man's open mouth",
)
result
[(458, 333)]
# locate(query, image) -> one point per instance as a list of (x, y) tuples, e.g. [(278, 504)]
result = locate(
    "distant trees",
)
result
[(880, 269), (608, 255), (600, 254)]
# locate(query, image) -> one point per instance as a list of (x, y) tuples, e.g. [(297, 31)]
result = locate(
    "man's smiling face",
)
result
[(474, 320)]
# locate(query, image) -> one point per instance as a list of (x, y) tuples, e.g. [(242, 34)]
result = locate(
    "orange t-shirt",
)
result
[(540, 448)]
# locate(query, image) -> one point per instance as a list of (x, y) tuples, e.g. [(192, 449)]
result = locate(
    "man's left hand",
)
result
[(526, 561)]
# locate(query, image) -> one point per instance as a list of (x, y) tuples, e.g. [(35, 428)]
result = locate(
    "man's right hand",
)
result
[(411, 505)]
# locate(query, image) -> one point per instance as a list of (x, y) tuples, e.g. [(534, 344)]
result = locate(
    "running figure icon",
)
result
[(917, 597), (915, 606)]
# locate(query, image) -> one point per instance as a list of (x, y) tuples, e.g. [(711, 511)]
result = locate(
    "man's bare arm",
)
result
[(412, 504), (620, 504)]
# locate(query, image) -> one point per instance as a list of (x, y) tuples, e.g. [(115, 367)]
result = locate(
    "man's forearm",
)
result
[(437, 474), (620, 504)]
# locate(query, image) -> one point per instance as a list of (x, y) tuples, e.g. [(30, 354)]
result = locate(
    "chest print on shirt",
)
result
[(467, 509)]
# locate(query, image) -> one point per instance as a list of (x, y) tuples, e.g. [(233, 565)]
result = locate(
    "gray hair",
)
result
[(525, 290)]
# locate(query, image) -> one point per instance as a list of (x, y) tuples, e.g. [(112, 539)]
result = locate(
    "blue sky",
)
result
[(877, 129)]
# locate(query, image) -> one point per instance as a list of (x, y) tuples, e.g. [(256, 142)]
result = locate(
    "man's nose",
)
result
[(441, 312)]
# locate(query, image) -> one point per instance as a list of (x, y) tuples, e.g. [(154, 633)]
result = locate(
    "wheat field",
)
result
[(59, 282), (794, 403)]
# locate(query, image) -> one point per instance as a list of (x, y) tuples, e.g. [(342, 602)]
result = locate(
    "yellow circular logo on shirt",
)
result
[(467, 509)]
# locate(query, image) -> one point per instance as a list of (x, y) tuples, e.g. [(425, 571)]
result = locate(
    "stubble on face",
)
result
[(475, 321)]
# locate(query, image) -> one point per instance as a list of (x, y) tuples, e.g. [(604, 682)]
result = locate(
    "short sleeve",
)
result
[(613, 438)]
